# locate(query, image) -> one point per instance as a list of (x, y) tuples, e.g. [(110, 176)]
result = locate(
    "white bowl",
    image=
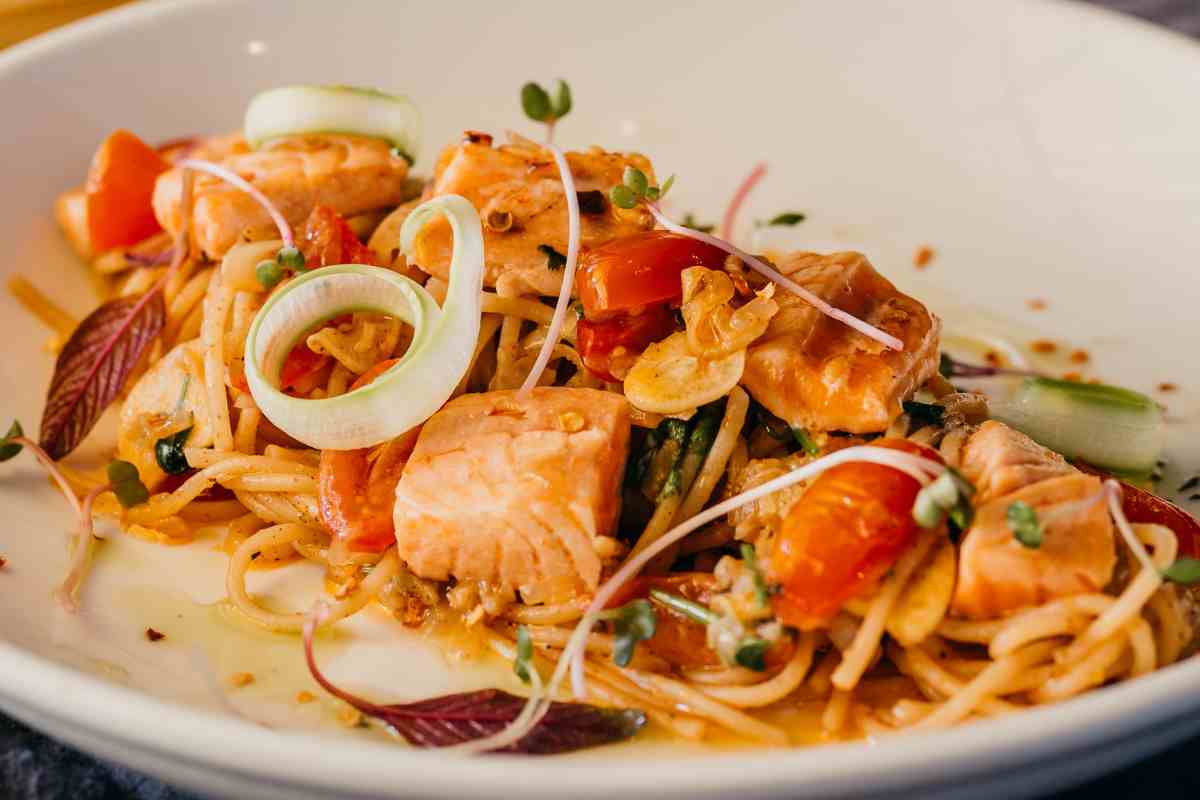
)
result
[(1045, 150)]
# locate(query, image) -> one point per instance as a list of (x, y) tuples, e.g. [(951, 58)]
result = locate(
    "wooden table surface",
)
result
[(33, 767)]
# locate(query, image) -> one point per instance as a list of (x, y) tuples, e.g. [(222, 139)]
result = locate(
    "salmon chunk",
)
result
[(349, 174), (515, 493), (168, 397), (819, 374), (519, 196), (996, 573)]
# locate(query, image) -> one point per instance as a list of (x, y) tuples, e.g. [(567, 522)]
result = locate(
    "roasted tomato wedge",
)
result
[(1142, 506), (357, 492), (120, 188), (328, 240), (302, 369), (851, 525), (632, 272), (604, 345), (680, 640)]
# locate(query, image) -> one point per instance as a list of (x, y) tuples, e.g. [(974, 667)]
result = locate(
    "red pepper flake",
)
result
[(992, 358), (1167, 387), (1080, 357), (1044, 346), (154, 635), (1072, 376), (923, 256), (1036, 304)]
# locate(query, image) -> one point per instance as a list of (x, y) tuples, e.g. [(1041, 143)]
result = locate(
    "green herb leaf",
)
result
[(562, 100), (1023, 522), (787, 218), (524, 661), (751, 653), (622, 196), (636, 180), (9, 448), (924, 413), (945, 366), (632, 623), (1184, 570), (577, 307), (554, 259), (168, 452), (689, 221), (805, 441), (947, 497), (666, 187), (750, 559), (652, 193), (536, 102)]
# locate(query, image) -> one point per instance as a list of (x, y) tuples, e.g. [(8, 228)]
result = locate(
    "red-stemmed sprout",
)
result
[(739, 197)]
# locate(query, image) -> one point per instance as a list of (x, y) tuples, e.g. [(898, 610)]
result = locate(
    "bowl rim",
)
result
[(34, 687)]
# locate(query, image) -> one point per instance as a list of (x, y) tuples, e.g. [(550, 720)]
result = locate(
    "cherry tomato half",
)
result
[(852, 524), (635, 271), (120, 189), (328, 240), (598, 341)]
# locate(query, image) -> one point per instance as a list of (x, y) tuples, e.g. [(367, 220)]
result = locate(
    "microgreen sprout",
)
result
[(1023, 522), (636, 187), (127, 484), (523, 663), (540, 107), (751, 653), (948, 497), (632, 623), (690, 221), (750, 559)]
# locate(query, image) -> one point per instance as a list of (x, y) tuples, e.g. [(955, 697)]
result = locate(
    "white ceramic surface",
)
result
[(1045, 149)]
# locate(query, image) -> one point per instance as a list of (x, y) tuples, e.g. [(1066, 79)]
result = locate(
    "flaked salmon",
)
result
[(514, 493), (170, 396), (996, 573), (519, 196), (350, 174), (816, 373)]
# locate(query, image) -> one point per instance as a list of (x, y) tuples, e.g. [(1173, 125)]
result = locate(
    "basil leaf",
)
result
[(787, 218), (1185, 571)]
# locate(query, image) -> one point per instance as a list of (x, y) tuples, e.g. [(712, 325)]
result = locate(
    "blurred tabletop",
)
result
[(33, 767)]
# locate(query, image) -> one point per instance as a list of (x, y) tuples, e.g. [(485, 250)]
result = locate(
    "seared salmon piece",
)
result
[(819, 374), (171, 390), (519, 196), (350, 174), (514, 493), (999, 460), (996, 573)]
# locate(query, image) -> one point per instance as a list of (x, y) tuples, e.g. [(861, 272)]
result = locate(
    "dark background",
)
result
[(33, 767)]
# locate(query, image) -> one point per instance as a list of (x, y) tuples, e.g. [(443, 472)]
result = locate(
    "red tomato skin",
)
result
[(120, 191), (328, 240), (300, 364), (597, 340), (635, 271), (356, 496), (847, 530)]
